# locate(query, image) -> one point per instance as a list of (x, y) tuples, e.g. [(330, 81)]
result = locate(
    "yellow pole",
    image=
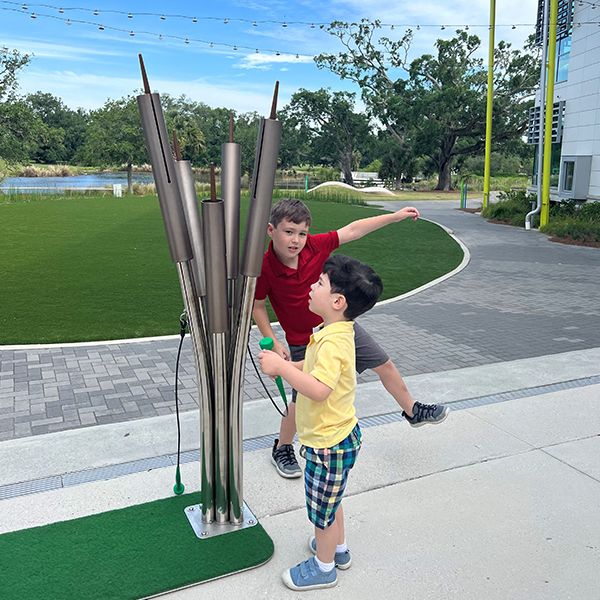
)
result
[(489, 108), (545, 213)]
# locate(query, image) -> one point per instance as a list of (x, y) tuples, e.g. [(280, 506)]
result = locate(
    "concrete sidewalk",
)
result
[(501, 501)]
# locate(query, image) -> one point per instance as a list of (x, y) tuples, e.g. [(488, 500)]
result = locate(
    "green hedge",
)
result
[(512, 208), (570, 219)]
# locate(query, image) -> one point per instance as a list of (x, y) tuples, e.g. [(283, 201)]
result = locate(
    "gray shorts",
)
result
[(369, 354)]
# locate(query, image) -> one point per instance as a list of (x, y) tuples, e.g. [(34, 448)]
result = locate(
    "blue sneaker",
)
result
[(343, 560), (307, 576)]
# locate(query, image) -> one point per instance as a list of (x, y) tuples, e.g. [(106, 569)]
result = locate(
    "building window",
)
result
[(569, 172), (563, 52), (554, 166)]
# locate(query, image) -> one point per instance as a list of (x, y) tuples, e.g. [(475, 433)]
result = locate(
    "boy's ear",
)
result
[(270, 229), (340, 302)]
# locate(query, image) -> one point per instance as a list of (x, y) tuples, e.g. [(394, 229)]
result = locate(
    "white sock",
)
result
[(341, 548), (325, 567)]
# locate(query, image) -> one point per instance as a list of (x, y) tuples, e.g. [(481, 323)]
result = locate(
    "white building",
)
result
[(575, 171)]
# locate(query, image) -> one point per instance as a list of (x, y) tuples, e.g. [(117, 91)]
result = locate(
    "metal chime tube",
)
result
[(213, 219), (263, 181), (163, 169)]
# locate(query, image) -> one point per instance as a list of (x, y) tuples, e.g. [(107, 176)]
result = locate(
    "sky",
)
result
[(209, 51)]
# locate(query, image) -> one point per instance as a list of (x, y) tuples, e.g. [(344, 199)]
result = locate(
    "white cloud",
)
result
[(60, 51), (263, 61), (91, 91)]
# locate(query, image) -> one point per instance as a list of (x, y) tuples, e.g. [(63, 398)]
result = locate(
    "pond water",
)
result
[(53, 185)]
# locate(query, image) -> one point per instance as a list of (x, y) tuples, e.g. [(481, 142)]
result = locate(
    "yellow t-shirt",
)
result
[(330, 358)]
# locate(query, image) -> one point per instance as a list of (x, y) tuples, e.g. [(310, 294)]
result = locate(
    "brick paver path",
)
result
[(520, 296)]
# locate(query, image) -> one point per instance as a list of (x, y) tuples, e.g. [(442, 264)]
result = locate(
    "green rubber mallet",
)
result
[(267, 344)]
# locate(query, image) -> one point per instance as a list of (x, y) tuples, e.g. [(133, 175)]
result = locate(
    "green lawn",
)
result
[(98, 268)]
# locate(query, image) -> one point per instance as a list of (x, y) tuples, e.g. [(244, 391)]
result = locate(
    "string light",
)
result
[(256, 22), (211, 44)]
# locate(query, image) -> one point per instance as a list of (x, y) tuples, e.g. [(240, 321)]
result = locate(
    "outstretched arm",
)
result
[(358, 229)]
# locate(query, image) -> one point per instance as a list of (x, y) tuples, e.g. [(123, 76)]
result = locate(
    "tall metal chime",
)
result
[(218, 292)]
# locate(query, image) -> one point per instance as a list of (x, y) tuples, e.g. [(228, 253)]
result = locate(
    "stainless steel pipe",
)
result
[(169, 195), (213, 219)]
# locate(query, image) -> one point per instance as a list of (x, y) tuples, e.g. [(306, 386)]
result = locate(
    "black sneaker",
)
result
[(427, 413), (285, 461)]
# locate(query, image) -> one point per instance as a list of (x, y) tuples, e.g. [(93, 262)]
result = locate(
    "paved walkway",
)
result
[(521, 296)]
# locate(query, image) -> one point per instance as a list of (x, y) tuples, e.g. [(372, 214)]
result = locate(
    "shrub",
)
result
[(574, 229), (511, 208)]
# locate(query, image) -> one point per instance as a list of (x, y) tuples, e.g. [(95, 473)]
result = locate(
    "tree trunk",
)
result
[(346, 165), (129, 178), (444, 177)]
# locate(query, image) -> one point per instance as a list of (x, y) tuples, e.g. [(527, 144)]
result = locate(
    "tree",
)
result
[(66, 128), (114, 136), (11, 61), (335, 131), (435, 104), (20, 129)]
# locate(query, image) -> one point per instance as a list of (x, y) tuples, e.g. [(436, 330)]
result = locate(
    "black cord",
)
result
[(265, 387), (182, 329)]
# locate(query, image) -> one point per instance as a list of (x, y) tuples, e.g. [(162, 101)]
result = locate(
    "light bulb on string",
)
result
[(194, 19), (254, 24), (129, 16), (24, 7), (101, 27), (96, 12), (163, 18), (284, 24), (61, 11), (132, 33), (187, 41), (68, 22), (33, 16)]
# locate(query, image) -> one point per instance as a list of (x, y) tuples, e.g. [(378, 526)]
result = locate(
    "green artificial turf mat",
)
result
[(132, 552)]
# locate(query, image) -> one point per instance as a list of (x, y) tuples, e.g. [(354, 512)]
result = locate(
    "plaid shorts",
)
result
[(326, 475)]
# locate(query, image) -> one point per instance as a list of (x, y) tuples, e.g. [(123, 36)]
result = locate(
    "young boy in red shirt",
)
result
[(291, 264)]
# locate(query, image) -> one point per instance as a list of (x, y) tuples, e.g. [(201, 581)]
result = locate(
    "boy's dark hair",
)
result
[(357, 281), (292, 210)]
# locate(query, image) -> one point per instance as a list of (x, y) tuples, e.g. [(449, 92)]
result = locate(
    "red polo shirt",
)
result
[(288, 288)]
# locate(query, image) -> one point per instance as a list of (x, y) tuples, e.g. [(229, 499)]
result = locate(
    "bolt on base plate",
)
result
[(205, 531)]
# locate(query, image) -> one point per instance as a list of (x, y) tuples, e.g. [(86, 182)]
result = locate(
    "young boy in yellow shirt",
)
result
[(325, 415)]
